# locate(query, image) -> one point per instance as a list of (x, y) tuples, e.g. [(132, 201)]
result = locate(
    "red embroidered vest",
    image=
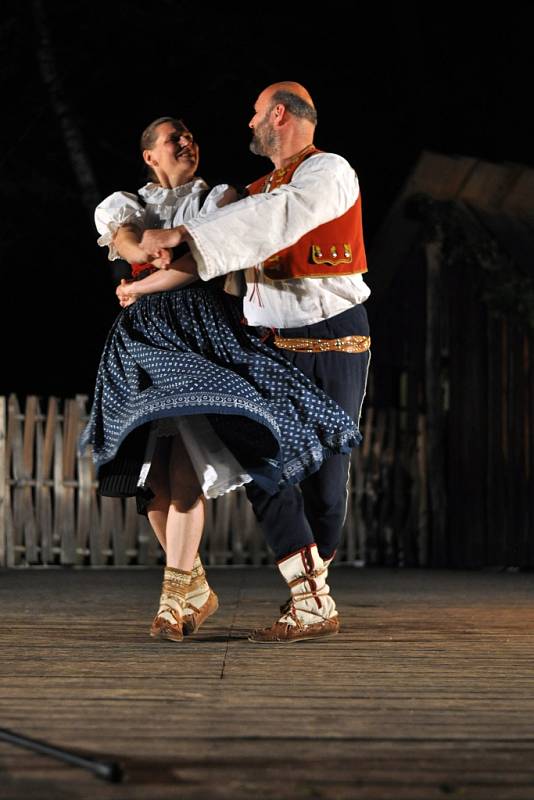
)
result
[(334, 248)]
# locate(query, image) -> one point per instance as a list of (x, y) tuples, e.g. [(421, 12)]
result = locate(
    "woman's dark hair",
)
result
[(149, 136)]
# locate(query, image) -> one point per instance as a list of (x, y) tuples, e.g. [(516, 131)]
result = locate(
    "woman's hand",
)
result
[(126, 294), (154, 241)]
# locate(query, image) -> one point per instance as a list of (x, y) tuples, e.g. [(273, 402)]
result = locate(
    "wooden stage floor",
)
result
[(427, 693)]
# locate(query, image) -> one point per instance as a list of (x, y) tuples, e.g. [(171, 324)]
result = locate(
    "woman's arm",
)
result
[(181, 272), (127, 244)]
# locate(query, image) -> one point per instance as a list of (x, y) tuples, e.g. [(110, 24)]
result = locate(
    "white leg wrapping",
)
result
[(305, 573)]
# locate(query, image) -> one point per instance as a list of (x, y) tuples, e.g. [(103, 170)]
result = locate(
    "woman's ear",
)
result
[(148, 158)]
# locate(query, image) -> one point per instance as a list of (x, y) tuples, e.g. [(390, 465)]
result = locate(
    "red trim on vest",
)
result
[(334, 248)]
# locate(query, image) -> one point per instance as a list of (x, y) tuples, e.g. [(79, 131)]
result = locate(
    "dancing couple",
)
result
[(239, 358)]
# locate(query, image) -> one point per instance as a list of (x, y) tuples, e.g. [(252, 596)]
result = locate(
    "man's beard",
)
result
[(264, 141)]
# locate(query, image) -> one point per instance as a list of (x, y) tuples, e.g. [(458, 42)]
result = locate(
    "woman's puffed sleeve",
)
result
[(120, 208), (220, 196)]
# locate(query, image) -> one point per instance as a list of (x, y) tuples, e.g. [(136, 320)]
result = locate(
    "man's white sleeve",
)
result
[(247, 232)]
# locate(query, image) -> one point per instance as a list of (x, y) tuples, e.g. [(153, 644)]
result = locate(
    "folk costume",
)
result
[(183, 360)]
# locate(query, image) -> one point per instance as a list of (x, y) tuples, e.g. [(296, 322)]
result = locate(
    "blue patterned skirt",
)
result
[(186, 352)]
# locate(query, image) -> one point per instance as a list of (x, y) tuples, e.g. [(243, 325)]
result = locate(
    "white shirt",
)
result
[(164, 208), (242, 235)]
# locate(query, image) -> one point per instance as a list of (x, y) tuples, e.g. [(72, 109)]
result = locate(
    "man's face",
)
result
[(265, 137)]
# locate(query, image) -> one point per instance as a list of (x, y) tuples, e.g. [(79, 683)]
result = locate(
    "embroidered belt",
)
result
[(346, 344)]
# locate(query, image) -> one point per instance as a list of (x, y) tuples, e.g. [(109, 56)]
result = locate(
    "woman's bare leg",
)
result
[(185, 518), (186, 599), (158, 481)]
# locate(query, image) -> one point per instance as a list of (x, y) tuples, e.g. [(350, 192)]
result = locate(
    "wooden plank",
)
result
[(495, 468), (516, 473), (15, 530), (102, 539), (86, 494), (4, 488), (488, 185), (130, 550), (524, 483), (421, 487), (434, 406), (43, 506), (118, 541), (519, 200), (216, 512), (529, 433), (59, 488), (26, 517), (149, 551), (238, 527), (68, 483), (440, 176)]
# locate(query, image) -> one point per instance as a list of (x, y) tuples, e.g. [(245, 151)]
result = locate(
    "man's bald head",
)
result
[(296, 99), (293, 88)]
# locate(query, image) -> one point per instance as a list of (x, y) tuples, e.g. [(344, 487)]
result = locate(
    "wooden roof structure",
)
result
[(499, 196)]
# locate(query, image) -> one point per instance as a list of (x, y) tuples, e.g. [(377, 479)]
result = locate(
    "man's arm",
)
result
[(156, 239), (219, 197), (247, 232)]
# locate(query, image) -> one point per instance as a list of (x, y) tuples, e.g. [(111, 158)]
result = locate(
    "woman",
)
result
[(184, 360)]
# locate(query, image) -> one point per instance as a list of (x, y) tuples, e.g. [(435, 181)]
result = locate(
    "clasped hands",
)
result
[(158, 244)]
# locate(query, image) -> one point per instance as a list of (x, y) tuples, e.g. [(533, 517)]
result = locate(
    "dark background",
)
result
[(387, 82)]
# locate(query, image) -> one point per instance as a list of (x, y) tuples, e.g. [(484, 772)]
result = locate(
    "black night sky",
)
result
[(387, 84)]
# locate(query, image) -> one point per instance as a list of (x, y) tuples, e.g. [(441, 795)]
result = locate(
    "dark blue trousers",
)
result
[(295, 517)]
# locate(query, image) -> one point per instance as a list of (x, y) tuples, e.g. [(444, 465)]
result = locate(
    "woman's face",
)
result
[(174, 154)]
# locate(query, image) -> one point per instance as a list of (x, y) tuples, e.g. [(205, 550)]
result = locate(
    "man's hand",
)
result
[(126, 294), (155, 240), (162, 261)]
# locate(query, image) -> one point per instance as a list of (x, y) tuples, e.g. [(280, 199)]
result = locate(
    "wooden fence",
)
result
[(51, 513)]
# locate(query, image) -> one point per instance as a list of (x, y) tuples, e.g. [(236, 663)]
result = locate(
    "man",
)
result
[(301, 228)]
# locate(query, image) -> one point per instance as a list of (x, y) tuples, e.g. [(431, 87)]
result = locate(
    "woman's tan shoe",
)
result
[(193, 621), (167, 625)]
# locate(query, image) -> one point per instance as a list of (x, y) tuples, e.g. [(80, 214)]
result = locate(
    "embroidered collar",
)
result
[(276, 178), (158, 195), (279, 173)]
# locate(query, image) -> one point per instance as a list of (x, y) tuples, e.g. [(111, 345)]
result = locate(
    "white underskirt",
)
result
[(217, 470)]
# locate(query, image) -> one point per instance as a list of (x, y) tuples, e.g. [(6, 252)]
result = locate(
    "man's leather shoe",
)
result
[(282, 632)]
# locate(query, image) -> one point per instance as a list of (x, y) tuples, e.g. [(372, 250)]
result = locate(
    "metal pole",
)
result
[(107, 770)]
